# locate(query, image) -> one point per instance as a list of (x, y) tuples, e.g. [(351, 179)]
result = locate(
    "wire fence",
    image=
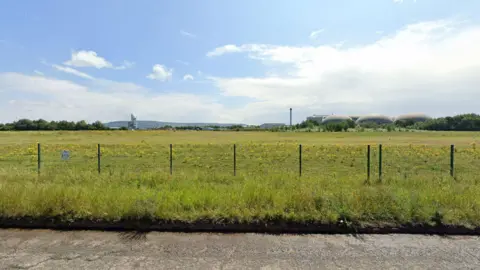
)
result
[(374, 161)]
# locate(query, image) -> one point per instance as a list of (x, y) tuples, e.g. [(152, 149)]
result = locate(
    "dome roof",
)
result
[(335, 119), (416, 117), (355, 117), (375, 118)]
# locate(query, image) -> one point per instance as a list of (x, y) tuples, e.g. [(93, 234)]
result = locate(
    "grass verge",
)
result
[(149, 198)]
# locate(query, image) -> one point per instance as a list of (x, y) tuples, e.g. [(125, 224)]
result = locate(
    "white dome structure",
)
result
[(414, 117), (317, 118), (335, 119), (354, 117), (375, 119)]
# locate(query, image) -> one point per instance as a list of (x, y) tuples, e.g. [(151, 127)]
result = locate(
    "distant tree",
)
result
[(390, 127), (53, 125), (371, 125), (81, 125), (65, 125), (97, 125), (40, 124), (307, 124), (405, 123), (336, 127), (236, 127), (350, 123), (24, 124), (462, 122)]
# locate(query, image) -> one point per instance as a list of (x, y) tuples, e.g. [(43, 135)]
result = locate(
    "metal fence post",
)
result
[(39, 158), (98, 158), (171, 160), (234, 159), (368, 162), (452, 160), (300, 160), (380, 162)]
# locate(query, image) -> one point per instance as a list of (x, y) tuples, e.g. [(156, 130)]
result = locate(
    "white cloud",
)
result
[(88, 59), (187, 77), (223, 50), (187, 34), (316, 33), (161, 73), (253, 48), (72, 71), (125, 65), (49, 98), (92, 59), (429, 66), (398, 1), (38, 72), (379, 32)]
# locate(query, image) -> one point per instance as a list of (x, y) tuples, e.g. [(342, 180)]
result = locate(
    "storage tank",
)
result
[(413, 117), (354, 117), (317, 118), (335, 119), (374, 118)]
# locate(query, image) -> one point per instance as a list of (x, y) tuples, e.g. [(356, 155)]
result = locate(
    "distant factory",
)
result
[(371, 118)]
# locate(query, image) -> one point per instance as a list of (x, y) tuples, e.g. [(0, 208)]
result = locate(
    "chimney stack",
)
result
[(290, 117)]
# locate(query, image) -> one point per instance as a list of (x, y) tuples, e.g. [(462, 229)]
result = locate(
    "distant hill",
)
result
[(158, 124)]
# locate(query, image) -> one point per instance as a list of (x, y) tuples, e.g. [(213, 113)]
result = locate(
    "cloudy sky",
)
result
[(237, 61)]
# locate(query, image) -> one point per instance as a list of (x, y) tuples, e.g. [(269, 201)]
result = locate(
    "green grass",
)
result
[(205, 137), (135, 181)]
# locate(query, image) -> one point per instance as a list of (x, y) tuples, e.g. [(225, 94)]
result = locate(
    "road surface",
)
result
[(44, 249)]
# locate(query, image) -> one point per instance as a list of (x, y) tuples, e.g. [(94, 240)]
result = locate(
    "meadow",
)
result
[(135, 180)]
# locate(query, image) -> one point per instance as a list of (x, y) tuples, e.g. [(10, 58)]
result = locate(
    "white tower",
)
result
[(133, 122)]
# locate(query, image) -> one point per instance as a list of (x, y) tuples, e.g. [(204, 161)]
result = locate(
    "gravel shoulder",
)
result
[(46, 249)]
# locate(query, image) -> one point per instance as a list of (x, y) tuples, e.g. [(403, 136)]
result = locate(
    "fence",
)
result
[(248, 159)]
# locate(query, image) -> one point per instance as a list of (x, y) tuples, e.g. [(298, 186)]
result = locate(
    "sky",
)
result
[(237, 61)]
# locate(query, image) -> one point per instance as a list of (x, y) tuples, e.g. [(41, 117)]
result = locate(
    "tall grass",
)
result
[(193, 197), (135, 182)]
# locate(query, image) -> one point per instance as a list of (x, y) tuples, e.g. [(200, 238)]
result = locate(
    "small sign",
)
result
[(65, 155)]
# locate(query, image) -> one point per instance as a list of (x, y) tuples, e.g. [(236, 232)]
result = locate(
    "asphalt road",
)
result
[(44, 249)]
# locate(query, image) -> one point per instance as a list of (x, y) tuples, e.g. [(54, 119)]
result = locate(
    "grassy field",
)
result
[(135, 181)]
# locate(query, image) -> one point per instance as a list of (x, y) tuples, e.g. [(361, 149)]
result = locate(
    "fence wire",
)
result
[(336, 161)]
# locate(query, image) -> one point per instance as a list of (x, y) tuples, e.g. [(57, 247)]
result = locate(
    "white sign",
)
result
[(65, 155)]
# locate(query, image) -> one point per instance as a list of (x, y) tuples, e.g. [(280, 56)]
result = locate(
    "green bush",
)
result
[(338, 127), (462, 122)]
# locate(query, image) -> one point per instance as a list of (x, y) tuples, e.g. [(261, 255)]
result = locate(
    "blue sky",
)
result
[(235, 61)]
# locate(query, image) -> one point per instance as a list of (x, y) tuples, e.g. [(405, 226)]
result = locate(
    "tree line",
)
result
[(461, 122), (27, 124)]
